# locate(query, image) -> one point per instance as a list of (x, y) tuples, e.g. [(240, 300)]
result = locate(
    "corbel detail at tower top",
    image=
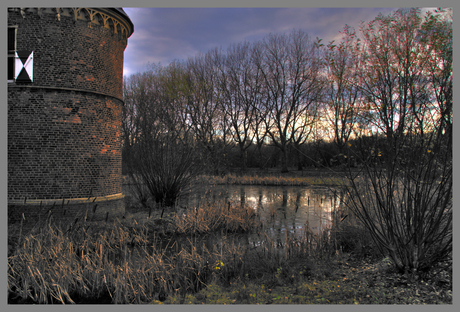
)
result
[(104, 17)]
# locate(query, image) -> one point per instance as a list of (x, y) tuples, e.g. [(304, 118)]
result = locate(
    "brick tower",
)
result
[(65, 80)]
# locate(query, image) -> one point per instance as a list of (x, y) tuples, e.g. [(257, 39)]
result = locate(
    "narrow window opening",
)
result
[(11, 52)]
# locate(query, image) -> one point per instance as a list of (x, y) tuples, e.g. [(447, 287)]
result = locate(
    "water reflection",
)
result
[(285, 211)]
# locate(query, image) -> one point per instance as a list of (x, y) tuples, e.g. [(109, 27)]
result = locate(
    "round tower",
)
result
[(65, 98)]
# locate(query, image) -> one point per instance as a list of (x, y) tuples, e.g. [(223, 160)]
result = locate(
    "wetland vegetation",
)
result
[(374, 133), (203, 255)]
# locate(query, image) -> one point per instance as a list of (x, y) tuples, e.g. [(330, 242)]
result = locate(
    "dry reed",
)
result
[(211, 217), (272, 180), (135, 263)]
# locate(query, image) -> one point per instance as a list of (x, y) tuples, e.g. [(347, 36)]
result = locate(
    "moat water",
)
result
[(286, 212)]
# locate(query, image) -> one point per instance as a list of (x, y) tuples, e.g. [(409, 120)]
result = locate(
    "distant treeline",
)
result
[(290, 100)]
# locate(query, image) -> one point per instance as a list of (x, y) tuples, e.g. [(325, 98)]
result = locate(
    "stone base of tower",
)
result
[(90, 209)]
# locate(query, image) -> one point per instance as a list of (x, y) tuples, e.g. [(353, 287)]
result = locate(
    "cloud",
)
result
[(155, 49), (167, 34)]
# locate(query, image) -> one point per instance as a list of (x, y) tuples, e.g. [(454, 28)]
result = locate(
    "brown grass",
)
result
[(140, 262), (273, 180), (115, 263), (216, 216)]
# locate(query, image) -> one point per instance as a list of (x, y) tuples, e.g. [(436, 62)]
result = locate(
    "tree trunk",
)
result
[(284, 157)]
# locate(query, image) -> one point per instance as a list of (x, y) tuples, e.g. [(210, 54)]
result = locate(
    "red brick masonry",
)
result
[(64, 127)]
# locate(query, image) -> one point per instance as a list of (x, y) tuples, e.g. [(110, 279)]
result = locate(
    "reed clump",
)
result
[(219, 215)]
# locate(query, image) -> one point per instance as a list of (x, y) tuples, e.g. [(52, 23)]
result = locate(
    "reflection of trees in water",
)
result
[(283, 210)]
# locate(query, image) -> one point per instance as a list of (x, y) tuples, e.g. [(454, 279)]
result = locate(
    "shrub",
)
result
[(404, 198), (161, 168)]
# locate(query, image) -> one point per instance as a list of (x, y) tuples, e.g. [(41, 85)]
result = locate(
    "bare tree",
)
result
[(436, 38), (392, 78), (342, 95), (139, 100), (204, 106), (163, 157), (404, 198), (239, 84), (290, 69), (258, 127)]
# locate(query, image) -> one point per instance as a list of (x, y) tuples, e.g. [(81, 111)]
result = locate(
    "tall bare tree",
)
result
[(239, 84), (436, 37), (392, 77), (204, 105), (139, 101), (342, 95), (290, 68)]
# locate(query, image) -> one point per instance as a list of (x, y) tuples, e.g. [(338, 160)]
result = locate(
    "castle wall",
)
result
[(64, 126)]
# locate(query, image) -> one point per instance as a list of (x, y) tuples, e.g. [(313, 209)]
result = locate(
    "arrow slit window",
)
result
[(11, 52)]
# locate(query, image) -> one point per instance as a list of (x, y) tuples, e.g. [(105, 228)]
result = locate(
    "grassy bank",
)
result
[(312, 177), (270, 180), (272, 177)]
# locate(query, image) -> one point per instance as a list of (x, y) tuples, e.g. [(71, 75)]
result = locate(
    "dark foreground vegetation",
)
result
[(199, 255)]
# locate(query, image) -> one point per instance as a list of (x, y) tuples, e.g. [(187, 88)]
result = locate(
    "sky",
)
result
[(162, 35), (168, 30)]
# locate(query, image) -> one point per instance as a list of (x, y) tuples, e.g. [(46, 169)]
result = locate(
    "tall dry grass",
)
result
[(215, 216), (114, 263), (270, 180), (139, 262)]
